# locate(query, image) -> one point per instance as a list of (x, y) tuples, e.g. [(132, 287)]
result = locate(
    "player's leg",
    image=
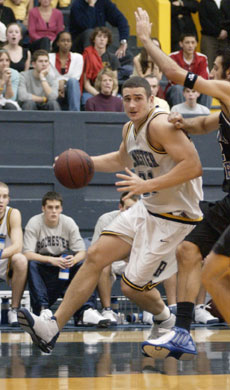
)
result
[(44, 331), (170, 286), (104, 289), (216, 274)]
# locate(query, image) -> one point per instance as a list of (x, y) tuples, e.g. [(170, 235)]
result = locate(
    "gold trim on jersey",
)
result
[(148, 286), (8, 221), (110, 233), (128, 131), (177, 218)]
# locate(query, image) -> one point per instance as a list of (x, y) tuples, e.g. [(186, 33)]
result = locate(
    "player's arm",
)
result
[(216, 88), (196, 125), (164, 137), (115, 161), (16, 235)]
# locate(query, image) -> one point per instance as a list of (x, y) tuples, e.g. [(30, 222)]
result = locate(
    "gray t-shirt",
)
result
[(103, 221), (183, 108), (29, 85), (42, 239)]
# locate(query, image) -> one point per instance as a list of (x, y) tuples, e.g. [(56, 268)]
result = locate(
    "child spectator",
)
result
[(190, 106), (67, 69)]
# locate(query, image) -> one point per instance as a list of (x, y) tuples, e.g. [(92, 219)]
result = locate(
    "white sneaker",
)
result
[(43, 329), (92, 317), (147, 318), (161, 327), (203, 316), (12, 318), (109, 314)]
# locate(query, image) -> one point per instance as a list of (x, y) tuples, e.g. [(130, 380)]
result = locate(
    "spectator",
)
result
[(66, 67), (48, 236), (6, 17), (213, 36), (85, 15), (190, 106), (105, 83), (13, 264), (181, 20), (108, 274), (143, 65), (191, 61), (38, 89), (225, 24), (154, 84), (97, 57), (45, 23), (20, 56), (9, 80), (21, 10)]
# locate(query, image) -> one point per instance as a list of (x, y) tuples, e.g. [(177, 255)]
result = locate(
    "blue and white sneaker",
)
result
[(177, 343), (43, 329)]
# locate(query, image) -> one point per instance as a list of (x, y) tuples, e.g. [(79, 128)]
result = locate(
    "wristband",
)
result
[(190, 80), (44, 99), (43, 79), (1, 89)]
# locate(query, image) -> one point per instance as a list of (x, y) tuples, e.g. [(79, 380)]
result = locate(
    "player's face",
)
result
[(13, 34), (106, 85), (188, 45), (136, 104), (52, 210), (4, 200), (217, 70), (65, 42)]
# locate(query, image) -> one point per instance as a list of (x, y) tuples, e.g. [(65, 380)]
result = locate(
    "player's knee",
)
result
[(94, 257), (188, 254), (19, 261)]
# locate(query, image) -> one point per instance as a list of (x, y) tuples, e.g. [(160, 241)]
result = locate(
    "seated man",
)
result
[(38, 89), (106, 84), (49, 236), (108, 274), (155, 85), (13, 264), (190, 106)]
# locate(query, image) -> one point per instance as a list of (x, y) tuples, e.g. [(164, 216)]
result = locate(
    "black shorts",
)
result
[(222, 246), (204, 235)]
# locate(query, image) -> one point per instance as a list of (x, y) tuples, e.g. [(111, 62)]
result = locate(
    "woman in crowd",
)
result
[(67, 68), (44, 24), (19, 57), (9, 80)]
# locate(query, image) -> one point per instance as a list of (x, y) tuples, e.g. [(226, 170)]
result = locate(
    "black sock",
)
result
[(184, 315)]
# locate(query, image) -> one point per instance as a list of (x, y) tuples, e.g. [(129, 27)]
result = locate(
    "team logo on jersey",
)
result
[(142, 157)]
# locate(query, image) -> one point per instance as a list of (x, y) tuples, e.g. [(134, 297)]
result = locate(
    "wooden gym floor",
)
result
[(111, 359)]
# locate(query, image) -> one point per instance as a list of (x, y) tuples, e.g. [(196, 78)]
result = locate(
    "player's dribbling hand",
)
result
[(143, 25), (131, 183), (176, 119)]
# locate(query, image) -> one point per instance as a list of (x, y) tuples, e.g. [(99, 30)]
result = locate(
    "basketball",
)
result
[(74, 168)]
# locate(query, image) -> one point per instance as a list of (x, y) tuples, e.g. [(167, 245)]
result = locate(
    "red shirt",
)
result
[(199, 64)]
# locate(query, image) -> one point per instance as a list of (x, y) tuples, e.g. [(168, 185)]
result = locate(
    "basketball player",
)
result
[(167, 175), (215, 225), (13, 264)]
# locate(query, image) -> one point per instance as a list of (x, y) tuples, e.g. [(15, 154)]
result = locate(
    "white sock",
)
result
[(164, 315)]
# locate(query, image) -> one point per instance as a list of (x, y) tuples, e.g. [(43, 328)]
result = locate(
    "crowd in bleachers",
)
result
[(75, 39)]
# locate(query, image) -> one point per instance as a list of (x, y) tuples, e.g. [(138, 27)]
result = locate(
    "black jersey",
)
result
[(223, 137)]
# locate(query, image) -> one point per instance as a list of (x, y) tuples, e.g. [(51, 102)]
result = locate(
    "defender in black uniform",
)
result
[(214, 229)]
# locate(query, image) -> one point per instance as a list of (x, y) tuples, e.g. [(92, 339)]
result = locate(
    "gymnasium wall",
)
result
[(160, 15), (31, 140)]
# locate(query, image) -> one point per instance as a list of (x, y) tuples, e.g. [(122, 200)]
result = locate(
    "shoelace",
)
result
[(46, 314)]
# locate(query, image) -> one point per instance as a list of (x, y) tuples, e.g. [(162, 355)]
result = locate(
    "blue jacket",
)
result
[(83, 17)]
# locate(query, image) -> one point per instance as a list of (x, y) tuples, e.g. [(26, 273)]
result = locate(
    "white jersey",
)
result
[(5, 227), (180, 202)]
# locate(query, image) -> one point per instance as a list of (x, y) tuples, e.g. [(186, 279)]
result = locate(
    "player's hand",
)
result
[(176, 119), (131, 183), (143, 25)]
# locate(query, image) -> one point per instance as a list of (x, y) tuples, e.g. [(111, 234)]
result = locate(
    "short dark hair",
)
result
[(103, 30), (225, 55), (39, 53), (55, 48), (188, 34), (138, 82), (51, 195)]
